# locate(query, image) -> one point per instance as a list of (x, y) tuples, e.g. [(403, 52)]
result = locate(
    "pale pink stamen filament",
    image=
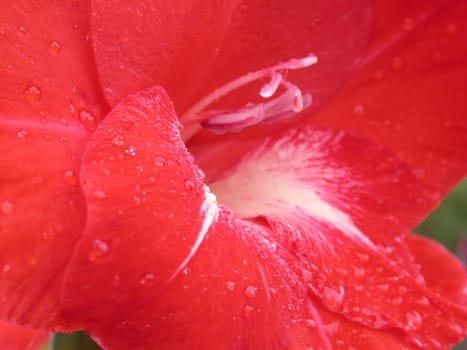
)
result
[(288, 103)]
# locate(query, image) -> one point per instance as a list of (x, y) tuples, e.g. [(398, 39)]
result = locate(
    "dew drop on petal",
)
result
[(332, 298), (147, 279), (116, 280), (417, 342), (54, 48), (247, 311), (414, 320), (6, 207), (87, 118), (190, 184), (124, 324), (22, 133), (250, 291), (310, 323), (131, 150), (408, 24), (423, 301), (99, 250), (456, 328), (363, 257), (378, 74), (70, 178), (118, 140), (33, 94), (230, 285), (451, 29), (99, 194), (397, 62), (6, 268)]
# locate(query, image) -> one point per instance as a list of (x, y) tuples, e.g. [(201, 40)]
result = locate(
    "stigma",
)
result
[(282, 99)]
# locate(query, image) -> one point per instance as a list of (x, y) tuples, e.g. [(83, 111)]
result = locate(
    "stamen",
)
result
[(288, 103), (270, 89)]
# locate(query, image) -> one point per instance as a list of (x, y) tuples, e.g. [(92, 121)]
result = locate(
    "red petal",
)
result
[(161, 263), (48, 97), (410, 94), (47, 65), (193, 47), (13, 337), (443, 273)]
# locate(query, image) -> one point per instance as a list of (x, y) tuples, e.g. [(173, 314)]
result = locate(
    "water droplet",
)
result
[(124, 324), (423, 301), (190, 184), (118, 140), (131, 150), (247, 311), (6, 207), (383, 287), (116, 280), (6, 268), (408, 24), (33, 94), (378, 75), (137, 200), (147, 279), (159, 161), (22, 133), (397, 62), (417, 342), (332, 298), (456, 328), (397, 301), (70, 178), (451, 29), (363, 257), (250, 291), (87, 118), (358, 272), (139, 168), (230, 285), (54, 48), (358, 110), (99, 194), (310, 323), (22, 29), (414, 320), (99, 250)]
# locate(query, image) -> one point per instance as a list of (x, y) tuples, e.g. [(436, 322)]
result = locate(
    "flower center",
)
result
[(276, 107)]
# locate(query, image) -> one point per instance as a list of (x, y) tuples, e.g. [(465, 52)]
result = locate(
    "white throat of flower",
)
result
[(290, 102)]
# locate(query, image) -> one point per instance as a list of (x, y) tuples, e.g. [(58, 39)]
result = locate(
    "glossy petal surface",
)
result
[(294, 272), (193, 47), (443, 273), (410, 94), (48, 101)]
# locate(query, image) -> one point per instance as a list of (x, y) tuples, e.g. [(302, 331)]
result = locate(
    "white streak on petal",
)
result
[(210, 211), (284, 179)]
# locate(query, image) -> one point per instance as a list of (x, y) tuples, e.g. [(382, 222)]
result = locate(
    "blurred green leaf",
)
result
[(74, 341), (448, 223)]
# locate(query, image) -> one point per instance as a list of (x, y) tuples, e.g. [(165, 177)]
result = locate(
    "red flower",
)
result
[(107, 225)]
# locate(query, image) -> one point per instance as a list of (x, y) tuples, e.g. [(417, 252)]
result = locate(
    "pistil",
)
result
[(277, 107)]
